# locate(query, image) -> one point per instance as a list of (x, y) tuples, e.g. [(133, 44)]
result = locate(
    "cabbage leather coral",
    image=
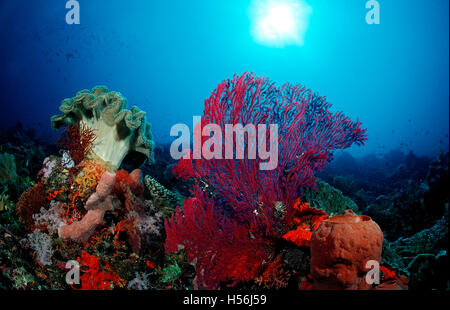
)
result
[(118, 131)]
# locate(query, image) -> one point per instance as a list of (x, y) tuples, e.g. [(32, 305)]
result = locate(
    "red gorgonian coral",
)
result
[(250, 207), (223, 249), (78, 139)]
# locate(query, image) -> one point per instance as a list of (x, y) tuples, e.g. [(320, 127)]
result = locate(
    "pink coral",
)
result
[(103, 189), (97, 204)]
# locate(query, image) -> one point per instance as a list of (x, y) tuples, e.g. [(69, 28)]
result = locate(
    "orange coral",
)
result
[(93, 278), (53, 194), (86, 181), (307, 220), (150, 264), (299, 236), (301, 207)]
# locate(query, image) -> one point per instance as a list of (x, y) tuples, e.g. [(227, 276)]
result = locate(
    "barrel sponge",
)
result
[(118, 130)]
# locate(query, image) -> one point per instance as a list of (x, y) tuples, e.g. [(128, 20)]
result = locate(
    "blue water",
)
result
[(167, 56)]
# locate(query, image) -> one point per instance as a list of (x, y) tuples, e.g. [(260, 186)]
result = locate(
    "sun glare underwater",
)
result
[(280, 23), (253, 145)]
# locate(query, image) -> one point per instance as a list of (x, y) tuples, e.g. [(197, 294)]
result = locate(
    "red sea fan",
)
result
[(308, 133), (232, 233), (78, 139), (222, 250)]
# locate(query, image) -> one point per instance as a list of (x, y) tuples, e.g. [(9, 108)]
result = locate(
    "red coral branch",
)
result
[(222, 250), (78, 139), (230, 234)]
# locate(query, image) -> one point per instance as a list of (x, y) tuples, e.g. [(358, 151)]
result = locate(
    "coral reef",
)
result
[(214, 223), (223, 250), (118, 131), (425, 241), (62, 216)]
